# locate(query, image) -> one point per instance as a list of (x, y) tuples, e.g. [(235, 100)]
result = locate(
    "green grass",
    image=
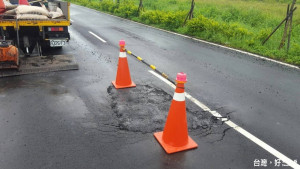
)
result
[(241, 24)]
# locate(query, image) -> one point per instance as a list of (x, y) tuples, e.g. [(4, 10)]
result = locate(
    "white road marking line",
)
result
[(203, 41), (97, 37), (263, 145), (71, 20), (242, 131)]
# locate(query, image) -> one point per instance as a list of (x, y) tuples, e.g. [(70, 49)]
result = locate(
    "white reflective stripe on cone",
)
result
[(179, 97), (122, 55)]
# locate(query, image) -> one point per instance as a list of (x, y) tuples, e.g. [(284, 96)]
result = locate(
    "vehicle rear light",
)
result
[(55, 29)]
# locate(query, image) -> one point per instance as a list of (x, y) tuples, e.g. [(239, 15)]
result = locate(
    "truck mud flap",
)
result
[(41, 64)]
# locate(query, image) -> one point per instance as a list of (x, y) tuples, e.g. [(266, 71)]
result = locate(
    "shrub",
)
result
[(197, 25), (203, 24), (127, 10), (235, 30), (107, 5), (173, 20), (263, 34), (152, 17)]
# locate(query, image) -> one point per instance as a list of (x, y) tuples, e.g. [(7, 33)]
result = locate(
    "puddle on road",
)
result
[(145, 109)]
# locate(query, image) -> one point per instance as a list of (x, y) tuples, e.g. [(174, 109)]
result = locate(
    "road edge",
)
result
[(202, 41)]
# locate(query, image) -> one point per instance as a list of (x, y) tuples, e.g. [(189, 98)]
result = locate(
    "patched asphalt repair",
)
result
[(145, 108)]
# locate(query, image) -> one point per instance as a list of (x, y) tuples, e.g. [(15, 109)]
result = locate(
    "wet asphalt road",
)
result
[(75, 119)]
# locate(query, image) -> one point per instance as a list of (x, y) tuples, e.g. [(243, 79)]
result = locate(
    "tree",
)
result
[(190, 15), (141, 7)]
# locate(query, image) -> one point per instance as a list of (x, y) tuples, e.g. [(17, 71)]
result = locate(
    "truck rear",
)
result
[(33, 28)]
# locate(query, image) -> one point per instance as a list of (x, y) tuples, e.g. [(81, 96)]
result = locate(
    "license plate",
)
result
[(56, 43)]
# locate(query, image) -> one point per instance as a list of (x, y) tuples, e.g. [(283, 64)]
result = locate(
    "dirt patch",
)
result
[(41, 64)]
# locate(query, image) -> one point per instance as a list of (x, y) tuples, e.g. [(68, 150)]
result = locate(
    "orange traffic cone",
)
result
[(23, 2), (175, 136), (123, 79)]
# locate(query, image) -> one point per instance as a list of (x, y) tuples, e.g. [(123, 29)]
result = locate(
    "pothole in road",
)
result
[(145, 109)]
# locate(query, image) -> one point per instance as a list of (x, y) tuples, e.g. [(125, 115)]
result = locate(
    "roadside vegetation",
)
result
[(241, 24)]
